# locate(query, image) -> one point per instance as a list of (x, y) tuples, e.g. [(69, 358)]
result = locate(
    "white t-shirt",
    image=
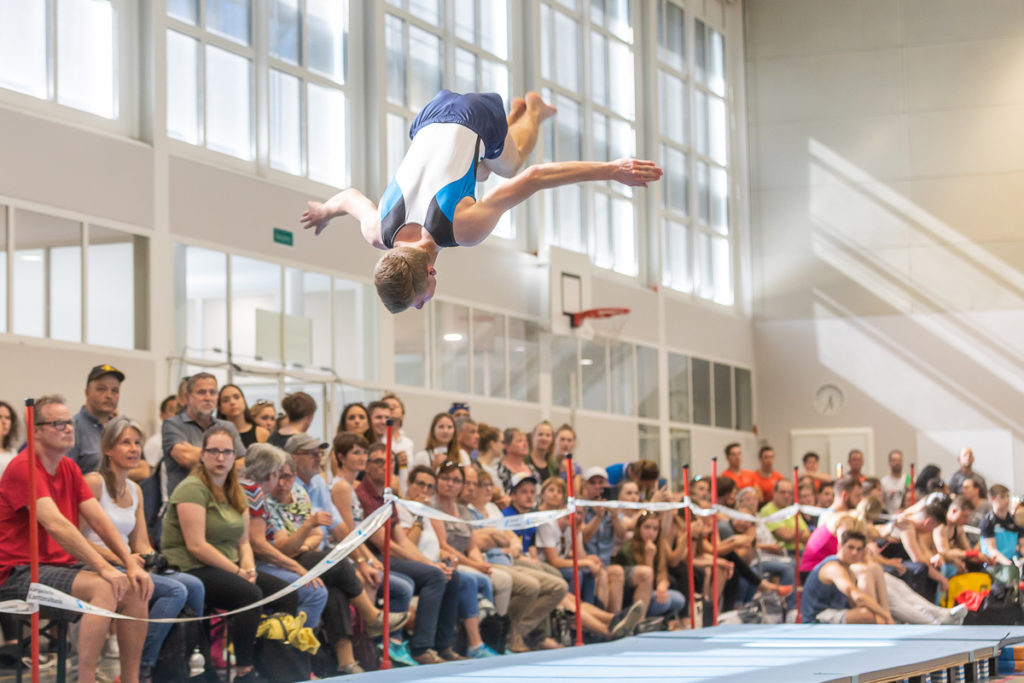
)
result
[(428, 544), (5, 459), (549, 535), (400, 443), (426, 458), (893, 489)]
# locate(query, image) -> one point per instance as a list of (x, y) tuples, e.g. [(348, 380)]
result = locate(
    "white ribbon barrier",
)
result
[(775, 517), (38, 594), (513, 522)]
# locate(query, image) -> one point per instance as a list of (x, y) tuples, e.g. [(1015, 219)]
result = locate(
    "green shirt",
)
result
[(771, 509), (224, 525)]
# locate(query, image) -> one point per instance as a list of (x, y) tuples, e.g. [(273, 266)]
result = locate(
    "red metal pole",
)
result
[(796, 542), (689, 548), (569, 476), (385, 656), (33, 526), (714, 542), (913, 485)]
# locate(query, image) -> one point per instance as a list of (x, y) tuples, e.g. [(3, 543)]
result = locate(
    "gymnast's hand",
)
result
[(635, 172), (316, 215)]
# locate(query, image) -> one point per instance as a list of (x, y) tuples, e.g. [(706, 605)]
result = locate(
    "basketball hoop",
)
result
[(604, 323)]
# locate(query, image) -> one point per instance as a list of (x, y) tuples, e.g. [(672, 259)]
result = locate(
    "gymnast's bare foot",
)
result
[(538, 107), (516, 108)]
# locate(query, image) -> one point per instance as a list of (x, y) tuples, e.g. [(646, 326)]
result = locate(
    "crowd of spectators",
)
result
[(240, 501)]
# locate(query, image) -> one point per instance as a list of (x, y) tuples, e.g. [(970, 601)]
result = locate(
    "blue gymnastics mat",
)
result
[(772, 654)]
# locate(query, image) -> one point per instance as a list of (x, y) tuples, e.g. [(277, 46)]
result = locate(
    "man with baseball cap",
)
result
[(308, 452), (102, 391), (522, 491)]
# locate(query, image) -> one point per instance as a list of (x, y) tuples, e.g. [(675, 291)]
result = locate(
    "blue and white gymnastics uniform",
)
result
[(439, 169)]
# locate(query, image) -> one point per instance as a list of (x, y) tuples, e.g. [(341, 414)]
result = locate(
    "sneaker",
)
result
[(486, 608), (516, 644), (350, 669), (428, 656), (396, 620), (785, 591), (399, 654), (481, 652), (450, 655), (110, 648), (628, 623), (957, 614)]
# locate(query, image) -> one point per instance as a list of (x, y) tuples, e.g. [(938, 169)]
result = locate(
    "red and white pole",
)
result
[(33, 526), (691, 553), (796, 542), (385, 656), (714, 542), (569, 476)]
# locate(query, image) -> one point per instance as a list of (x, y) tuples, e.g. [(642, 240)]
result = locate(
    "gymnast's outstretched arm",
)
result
[(474, 221), (350, 201)]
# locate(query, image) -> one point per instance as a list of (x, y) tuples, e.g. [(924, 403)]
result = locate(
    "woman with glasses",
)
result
[(206, 533), (121, 450), (492, 583), (441, 446), (231, 406)]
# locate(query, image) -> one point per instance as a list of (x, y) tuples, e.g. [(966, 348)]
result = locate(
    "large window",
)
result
[(693, 148), (73, 280), (213, 83), (587, 71)]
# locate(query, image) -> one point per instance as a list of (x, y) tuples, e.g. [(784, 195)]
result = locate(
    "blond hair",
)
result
[(400, 276)]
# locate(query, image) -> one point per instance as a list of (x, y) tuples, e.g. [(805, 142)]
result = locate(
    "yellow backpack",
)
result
[(971, 581)]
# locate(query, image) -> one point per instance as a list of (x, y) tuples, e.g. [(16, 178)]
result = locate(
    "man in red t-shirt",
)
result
[(766, 476), (61, 497), (742, 477)]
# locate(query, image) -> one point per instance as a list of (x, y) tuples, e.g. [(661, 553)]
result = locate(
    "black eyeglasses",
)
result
[(220, 453), (59, 425), (375, 461)]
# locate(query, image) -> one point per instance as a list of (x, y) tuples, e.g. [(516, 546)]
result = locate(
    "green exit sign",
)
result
[(284, 237)]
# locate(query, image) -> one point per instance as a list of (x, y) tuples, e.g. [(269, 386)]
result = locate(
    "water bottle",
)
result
[(196, 664)]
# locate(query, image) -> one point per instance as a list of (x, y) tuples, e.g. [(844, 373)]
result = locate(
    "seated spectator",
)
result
[(542, 445), (264, 414), (873, 488), (457, 410), (765, 476), (231, 406), (299, 409), (785, 531), (441, 444), (275, 551), (206, 533), (154, 480), (831, 595), (62, 498), (736, 542), (826, 495), (1000, 534), (727, 492), (402, 447), (624, 521), (646, 554), (554, 542), (102, 392), (966, 461), (916, 525), (436, 584), (951, 543), (599, 533), (308, 452), (490, 451), (741, 477), (355, 420), (824, 540), (467, 433), (929, 480), (700, 490), (122, 501), (977, 497), (8, 435), (437, 539), (703, 558), (806, 498), (517, 449), (535, 592), (565, 444), (812, 463), (182, 435)]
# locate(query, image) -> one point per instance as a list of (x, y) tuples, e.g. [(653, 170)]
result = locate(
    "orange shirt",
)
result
[(766, 484), (744, 479)]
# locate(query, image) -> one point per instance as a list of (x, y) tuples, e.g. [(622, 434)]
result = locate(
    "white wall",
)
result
[(886, 168)]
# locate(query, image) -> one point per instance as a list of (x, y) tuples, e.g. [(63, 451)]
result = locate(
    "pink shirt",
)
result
[(820, 545)]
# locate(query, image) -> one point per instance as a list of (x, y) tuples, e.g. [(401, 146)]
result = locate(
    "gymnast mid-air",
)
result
[(457, 141)]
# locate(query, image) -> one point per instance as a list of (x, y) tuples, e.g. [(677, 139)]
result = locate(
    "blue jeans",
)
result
[(587, 586), (484, 586), (312, 599), (171, 592), (673, 604), (438, 604), (498, 556), (402, 590)]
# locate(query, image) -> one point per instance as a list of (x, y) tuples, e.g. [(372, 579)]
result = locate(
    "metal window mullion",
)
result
[(51, 51), (228, 294), (471, 348)]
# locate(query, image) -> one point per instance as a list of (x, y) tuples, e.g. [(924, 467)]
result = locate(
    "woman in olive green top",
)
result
[(206, 533)]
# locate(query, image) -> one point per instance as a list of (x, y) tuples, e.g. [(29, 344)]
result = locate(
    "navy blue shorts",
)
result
[(483, 113)]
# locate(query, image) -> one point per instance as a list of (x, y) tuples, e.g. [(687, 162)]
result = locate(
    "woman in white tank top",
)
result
[(121, 498)]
